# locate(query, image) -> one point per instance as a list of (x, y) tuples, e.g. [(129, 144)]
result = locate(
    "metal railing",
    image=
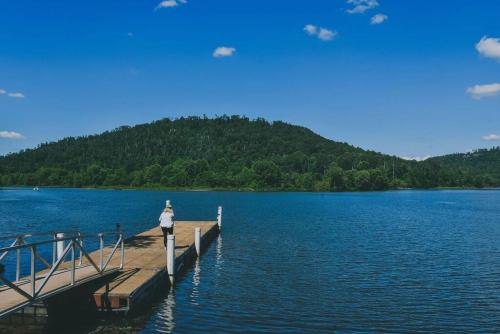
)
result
[(62, 244)]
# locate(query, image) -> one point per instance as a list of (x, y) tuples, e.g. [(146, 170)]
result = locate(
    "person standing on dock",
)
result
[(167, 222)]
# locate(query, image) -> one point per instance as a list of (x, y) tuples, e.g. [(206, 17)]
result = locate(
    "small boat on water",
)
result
[(36, 189)]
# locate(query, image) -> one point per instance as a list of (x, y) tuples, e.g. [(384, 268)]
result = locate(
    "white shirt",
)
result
[(166, 219)]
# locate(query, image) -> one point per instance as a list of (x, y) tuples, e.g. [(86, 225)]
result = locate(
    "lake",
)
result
[(377, 262)]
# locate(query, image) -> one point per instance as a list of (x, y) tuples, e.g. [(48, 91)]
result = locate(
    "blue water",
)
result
[(381, 262)]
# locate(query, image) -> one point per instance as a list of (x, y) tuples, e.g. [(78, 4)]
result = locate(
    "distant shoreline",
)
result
[(159, 188)]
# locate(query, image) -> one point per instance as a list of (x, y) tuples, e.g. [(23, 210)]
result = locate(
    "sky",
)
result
[(409, 78)]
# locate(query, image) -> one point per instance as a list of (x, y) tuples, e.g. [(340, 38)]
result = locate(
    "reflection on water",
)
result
[(164, 318), (196, 282), (218, 252)]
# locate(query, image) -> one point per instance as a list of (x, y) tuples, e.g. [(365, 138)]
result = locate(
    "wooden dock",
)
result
[(132, 278), (145, 265)]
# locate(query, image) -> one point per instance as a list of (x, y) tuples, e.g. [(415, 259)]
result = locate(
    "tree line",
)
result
[(229, 152)]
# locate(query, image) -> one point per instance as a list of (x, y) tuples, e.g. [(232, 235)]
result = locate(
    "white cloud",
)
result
[(167, 4), (311, 29), (326, 34), (322, 33), (361, 6), (17, 95), (491, 137), (170, 3), (489, 47), (378, 18), (11, 135), (480, 91), (417, 158), (224, 51)]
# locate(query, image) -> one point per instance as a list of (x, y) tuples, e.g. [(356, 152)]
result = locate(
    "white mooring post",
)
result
[(197, 240), (18, 261), (171, 258), (101, 251), (167, 203), (219, 217), (60, 245)]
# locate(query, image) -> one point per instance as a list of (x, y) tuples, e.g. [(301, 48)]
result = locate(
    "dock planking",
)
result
[(145, 265)]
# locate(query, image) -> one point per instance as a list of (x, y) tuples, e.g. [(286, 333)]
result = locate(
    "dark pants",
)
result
[(166, 231)]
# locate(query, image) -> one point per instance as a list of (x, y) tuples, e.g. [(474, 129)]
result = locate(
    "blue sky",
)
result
[(421, 82)]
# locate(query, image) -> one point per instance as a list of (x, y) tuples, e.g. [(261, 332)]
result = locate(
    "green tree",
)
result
[(152, 174), (362, 180), (335, 177), (267, 173)]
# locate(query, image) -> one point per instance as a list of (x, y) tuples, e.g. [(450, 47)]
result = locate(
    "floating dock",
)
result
[(145, 268), (119, 278)]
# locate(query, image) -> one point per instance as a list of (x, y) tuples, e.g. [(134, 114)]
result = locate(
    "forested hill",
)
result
[(226, 153), (479, 162)]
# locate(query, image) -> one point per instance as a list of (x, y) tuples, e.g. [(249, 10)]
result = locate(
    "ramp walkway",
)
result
[(60, 274)]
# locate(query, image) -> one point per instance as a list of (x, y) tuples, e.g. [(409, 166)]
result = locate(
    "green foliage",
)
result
[(267, 174), (235, 153), (478, 168)]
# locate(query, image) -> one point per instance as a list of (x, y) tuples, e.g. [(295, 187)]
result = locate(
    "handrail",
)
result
[(44, 242), (50, 233), (39, 234), (74, 242)]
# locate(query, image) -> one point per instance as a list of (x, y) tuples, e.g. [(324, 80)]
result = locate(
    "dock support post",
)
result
[(73, 262), (101, 251), (33, 274), (122, 252), (197, 240), (60, 245), (18, 262), (80, 242), (54, 249), (171, 258), (219, 217)]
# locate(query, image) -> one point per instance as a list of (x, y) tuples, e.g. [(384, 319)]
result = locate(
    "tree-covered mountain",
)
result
[(479, 162), (229, 152)]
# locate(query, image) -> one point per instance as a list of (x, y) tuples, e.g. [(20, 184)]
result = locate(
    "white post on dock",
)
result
[(101, 251), (18, 261), (197, 240), (219, 217), (171, 258), (60, 245)]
